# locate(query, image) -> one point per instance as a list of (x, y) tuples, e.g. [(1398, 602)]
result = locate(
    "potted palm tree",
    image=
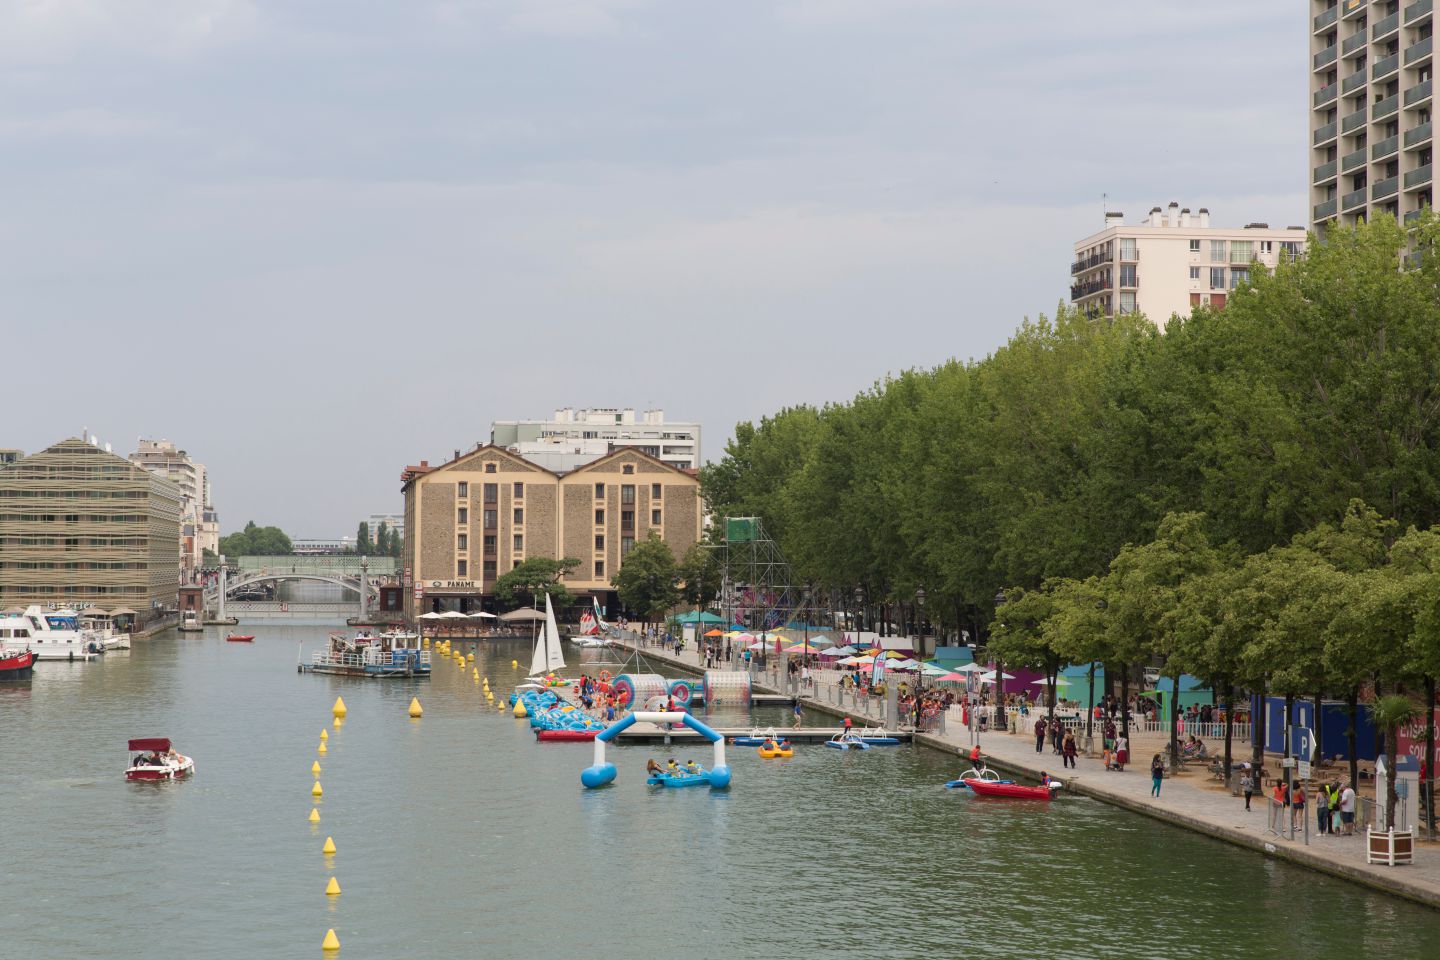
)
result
[(1390, 846)]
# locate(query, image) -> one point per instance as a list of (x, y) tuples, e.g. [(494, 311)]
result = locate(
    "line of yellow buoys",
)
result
[(331, 943)]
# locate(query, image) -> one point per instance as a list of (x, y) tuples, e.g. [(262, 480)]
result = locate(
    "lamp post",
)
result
[(920, 634), (1000, 601), (1090, 718), (805, 657)]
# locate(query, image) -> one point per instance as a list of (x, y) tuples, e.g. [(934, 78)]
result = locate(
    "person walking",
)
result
[(1157, 774), (1122, 752), (799, 712), (1247, 786), (1297, 806), (1040, 735), (1332, 803), (1069, 749), (1347, 809), (1322, 809), (1280, 798)]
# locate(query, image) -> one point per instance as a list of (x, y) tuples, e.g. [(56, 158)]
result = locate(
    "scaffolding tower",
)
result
[(757, 585)]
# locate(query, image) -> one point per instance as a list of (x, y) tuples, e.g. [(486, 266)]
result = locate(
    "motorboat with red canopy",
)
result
[(153, 758)]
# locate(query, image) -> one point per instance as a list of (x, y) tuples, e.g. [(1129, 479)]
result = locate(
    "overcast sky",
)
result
[(313, 241)]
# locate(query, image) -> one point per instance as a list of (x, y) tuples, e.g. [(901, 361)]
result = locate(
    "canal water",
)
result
[(459, 836)]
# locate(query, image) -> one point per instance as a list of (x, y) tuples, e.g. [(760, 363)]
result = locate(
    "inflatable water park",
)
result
[(602, 773)]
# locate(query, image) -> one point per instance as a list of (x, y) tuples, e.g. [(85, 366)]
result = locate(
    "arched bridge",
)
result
[(232, 587)]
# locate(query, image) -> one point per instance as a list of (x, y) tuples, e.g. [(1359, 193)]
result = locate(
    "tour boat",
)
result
[(389, 655), (50, 636), (240, 637), (990, 788), (17, 666), (152, 758)]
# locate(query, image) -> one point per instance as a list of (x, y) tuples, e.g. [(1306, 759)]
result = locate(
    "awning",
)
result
[(150, 743), (123, 612), (523, 615), (431, 616)]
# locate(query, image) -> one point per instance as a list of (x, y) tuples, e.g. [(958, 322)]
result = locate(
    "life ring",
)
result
[(604, 676)]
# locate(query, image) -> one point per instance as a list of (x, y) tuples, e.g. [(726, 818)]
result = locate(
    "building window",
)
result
[(1289, 250), (491, 518), (1194, 246), (1127, 249), (489, 543), (1127, 275), (1242, 251), (1239, 275), (627, 519), (628, 468), (1265, 247), (464, 489), (519, 491), (464, 515), (599, 569), (625, 544), (489, 468), (519, 515), (1217, 251), (655, 491), (519, 543), (489, 568), (492, 492), (599, 518), (1194, 273), (462, 568), (462, 542), (627, 493), (599, 541), (599, 491), (1127, 302), (1217, 278), (654, 518)]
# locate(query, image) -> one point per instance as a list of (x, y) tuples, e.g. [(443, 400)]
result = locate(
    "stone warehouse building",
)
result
[(81, 526), (472, 519)]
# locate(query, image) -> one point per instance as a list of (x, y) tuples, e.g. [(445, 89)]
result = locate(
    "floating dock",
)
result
[(650, 733)]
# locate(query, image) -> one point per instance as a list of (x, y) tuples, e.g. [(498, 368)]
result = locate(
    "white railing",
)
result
[(1240, 732)]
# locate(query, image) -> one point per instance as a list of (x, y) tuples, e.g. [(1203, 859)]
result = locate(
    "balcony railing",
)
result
[(1385, 26), (1357, 42), (1417, 135), (1385, 66), (1325, 133), (1418, 92), (1352, 200), (1326, 57), (1417, 10), (1324, 95), (1353, 122), (1326, 171), (1079, 290), (1385, 188), (1418, 51), (1325, 19), (1092, 261), (1325, 209), (1349, 8), (1352, 160), (1418, 177), (1385, 147), (1353, 82), (1385, 107)]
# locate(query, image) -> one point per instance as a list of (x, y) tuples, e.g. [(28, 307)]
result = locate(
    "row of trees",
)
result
[(256, 541), (1105, 477), (385, 543)]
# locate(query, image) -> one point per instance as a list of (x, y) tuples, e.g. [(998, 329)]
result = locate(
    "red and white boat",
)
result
[(153, 758), (990, 788), (240, 638), (16, 666)]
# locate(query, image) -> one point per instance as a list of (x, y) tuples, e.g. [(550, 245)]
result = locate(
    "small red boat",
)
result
[(988, 788), (17, 666), (572, 735), (240, 638)]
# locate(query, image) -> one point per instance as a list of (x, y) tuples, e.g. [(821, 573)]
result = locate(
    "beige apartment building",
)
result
[(1171, 262), (199, 524), (472, 519), (80, 526), (1371, 96)]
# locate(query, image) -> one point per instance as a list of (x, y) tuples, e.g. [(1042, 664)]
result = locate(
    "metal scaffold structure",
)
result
[(757, 585)]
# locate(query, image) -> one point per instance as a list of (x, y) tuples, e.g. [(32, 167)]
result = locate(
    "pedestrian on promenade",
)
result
[(1122, 752), (1297, 807), (1157, 774), (1332, 803), (1109, 729), (799, 710), (1280, 801), (1069, 749), (1322, 808), (1040, 735), (1247, 785), (1057, 736), (1347, 809)]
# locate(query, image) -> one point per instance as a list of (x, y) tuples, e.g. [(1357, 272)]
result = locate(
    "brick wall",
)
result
[(437, 532)]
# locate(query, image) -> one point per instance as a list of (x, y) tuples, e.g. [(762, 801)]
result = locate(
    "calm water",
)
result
[(459, 836)]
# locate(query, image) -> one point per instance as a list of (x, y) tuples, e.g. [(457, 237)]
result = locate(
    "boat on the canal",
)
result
[(16, 667), (101, 626), (992, 788), (240, 638), (50, 636), (592, 629), (153, 758), (698, 778), (389, 655), (547, 656), (846, 741)]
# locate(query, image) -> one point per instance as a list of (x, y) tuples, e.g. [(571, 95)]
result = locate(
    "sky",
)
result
[(313, 241)]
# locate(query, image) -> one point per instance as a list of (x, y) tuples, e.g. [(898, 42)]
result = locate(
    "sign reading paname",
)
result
[(453, 585)]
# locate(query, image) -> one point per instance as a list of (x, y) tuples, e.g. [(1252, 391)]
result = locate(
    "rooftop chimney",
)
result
[(1172, 215), (1204, 217), (1156, 217), (1114, 218), (1257, 226)]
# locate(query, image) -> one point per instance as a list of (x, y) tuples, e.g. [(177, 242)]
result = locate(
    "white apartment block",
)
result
[(394, 522), (199, 524), (575, 437), (1171, 262), (1371, 96)]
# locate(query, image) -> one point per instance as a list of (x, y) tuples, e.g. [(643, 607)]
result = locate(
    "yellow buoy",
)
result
[(470, 657), (338, 724), (332, 889), (324, 734), (514, 664), (329, 848), (520, 710), (315, 768), (322, 751), (314, 815), (415, 710), (332, 942), (315, 791), (489, 695), (339, 709)]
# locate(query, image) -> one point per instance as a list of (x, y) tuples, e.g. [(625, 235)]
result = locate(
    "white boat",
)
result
[(548, 657), (592, 629), (153, 758), (100, 627), (52, 636)]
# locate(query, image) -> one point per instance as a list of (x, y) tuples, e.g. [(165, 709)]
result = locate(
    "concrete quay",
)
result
[(1189, 800)]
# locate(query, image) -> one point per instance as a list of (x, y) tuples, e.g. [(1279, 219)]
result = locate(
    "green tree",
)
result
[(648, 579), (522, 585), (1390, 713), (256, 541), (363, 545), (1018, 637), (699, 576), (382, 540)]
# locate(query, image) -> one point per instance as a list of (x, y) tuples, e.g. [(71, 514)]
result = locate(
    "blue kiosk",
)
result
[(602, 772)]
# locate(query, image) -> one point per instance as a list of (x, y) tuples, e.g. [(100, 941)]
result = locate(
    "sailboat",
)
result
[(548, 657), (592, 628)]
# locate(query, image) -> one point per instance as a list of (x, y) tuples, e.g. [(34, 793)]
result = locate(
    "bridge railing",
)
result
[(328, 563)]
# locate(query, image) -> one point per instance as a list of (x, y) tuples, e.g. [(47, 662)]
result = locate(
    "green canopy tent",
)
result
[(694, 617)]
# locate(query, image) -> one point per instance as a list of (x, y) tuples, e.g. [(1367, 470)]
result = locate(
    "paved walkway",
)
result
[(1190, 800)]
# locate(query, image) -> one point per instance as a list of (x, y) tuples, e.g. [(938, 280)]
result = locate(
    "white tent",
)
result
[(432, 616)]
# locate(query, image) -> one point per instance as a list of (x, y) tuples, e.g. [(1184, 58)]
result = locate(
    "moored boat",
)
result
[(240, 638), (190, 623), (390, 655), (15, 667), (50, 636), (991, 788), (154, 758)]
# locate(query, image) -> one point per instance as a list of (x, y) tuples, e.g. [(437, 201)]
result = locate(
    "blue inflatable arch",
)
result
[(602, 772)]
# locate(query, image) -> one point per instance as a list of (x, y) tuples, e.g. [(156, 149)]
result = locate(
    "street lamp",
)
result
[(859, 602), (805, 612), (920, 634), (1000, 601)]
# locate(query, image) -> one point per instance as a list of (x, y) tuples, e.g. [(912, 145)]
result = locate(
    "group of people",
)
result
[(1062, 740), (654, 769), (1334, 805)]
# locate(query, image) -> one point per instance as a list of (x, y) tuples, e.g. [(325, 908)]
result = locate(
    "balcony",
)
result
[(1384, 108), (1417, 52), (1419, 92), (1085, 289), (1349, 8), (1419, 177), (1385, 188), (1325, 133), (1325, 57), (1384, 148), (1353, 82), (1091, 262), (1386, 26), (1417, 10), (1352, 160), (1354, 44), (1325, 19), (1324, 210), (1324, 172), (1324, 95), (1353, 122), (1385, 66), (1352, 200), (1417, 135)]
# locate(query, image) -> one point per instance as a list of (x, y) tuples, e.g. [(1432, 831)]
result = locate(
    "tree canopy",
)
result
[(533, 576), (255, 541), (648, 580)]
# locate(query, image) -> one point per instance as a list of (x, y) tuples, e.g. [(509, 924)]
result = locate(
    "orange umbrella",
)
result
[(714, 633)]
